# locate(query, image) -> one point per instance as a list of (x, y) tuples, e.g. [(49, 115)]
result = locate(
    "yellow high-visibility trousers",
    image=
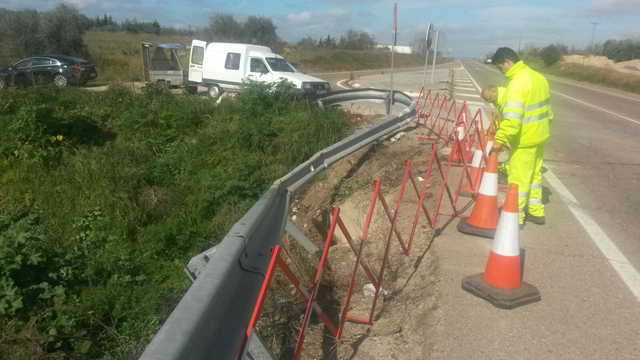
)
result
[(525, 169)]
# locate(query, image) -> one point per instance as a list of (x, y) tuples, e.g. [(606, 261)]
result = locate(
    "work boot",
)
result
[(538, 220), (521, 226)]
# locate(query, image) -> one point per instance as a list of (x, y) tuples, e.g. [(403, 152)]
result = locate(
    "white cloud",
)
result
[(300, 17), (613, 6), (337, 13), (80, 3)]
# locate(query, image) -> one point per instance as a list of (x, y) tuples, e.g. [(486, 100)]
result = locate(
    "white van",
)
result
[(224, 66)]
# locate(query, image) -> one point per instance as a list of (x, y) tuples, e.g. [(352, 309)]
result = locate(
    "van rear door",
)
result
[(196, 60)]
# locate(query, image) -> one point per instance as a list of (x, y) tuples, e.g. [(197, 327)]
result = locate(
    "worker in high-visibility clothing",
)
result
[(526, 116), (495, 95)]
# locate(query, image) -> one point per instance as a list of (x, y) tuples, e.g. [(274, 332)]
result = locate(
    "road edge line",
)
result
[(608, 248), (618, 261)]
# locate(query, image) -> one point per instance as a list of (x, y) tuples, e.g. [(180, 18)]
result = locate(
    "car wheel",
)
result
[(214, 91), (60, 80), (3, 83)]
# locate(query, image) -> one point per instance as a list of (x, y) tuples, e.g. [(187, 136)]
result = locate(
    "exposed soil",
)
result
[(630, 67), (408, 301)]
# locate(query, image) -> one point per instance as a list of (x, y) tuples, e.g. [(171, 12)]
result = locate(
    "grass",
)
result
[(311, 60), (589, 74), (104, 197), (117, 56)]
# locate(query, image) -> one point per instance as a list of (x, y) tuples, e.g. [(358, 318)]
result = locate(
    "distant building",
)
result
[(399, 49)]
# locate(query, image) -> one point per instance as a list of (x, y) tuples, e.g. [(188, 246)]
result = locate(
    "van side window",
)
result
[(232, 62), (258, 66), (197, 56)]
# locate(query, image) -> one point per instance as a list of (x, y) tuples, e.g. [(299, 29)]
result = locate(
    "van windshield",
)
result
[(278, 64)]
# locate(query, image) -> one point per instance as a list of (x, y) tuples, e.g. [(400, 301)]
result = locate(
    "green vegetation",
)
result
[(315, 60), (117, 56), (105, 196)]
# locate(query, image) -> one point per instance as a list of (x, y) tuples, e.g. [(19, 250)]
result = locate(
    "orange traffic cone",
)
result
[(501, 283), (483, 220), (477, 164)]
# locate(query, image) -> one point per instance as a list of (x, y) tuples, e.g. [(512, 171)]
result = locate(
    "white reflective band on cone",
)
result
[(460, 131), (506, 242), (489, 185), (489, 145), (477, 158)]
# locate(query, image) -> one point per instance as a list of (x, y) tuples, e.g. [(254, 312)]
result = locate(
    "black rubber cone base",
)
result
[(501, 298), (466, 228)]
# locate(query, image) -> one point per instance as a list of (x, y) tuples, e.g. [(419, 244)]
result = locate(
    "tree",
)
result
[(419, 43), (550, 54), (307, 42), (224, 28), (354, 40), (262, 31)]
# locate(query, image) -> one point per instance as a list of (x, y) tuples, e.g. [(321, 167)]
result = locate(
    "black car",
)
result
[(57, 69)]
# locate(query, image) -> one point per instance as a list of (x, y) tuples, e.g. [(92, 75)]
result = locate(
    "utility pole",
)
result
[(593, 35), (519, 43)]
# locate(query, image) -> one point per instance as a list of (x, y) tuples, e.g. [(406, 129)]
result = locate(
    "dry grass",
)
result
[(117, 56)]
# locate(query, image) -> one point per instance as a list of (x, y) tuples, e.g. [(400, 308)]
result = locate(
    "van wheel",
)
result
[(214, 91), (3, 83)]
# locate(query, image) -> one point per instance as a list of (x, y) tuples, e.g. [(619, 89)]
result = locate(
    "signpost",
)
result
[(429, 37), (393, 51), (435, 55)]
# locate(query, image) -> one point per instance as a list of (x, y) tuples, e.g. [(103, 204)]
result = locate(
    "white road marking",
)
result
[(593, 106), (476, 103), (472, 79), (627, 272), (464, 88), (597, 107), (618, 261), (582, 86), (469, 95), (339, 83)]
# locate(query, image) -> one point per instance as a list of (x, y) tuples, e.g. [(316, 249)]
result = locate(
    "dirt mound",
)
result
[(590, 60), (632, 66)]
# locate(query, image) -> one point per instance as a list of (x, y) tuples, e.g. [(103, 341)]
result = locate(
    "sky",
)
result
[(472, 28)]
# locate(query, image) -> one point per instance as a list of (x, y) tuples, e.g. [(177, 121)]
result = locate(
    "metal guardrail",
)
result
[(211, 319)]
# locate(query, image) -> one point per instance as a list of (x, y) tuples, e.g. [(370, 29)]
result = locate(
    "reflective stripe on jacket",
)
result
[(527, 108)]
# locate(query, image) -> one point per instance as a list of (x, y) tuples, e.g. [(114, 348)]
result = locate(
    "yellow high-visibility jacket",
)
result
[(527, 108), (500, 101)]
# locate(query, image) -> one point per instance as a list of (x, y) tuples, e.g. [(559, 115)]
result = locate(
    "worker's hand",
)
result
[(496, 148)]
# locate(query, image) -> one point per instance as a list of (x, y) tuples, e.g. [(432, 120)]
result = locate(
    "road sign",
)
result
[(395, 23), (429, 35)]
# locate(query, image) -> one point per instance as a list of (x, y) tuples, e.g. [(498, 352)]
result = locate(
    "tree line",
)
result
[(352, 40)]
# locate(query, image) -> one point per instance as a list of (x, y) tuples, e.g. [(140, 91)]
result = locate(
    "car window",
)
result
[(23, 64), (41, 62), (232, 62), (197, 56), (258, 66), (279, 64)]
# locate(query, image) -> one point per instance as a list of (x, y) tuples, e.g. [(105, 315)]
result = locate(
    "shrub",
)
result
[(104, 197), (550, 55)]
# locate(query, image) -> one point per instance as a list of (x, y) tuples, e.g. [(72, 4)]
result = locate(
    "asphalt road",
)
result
[(594, 150), (336, 77), (585, 260)]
